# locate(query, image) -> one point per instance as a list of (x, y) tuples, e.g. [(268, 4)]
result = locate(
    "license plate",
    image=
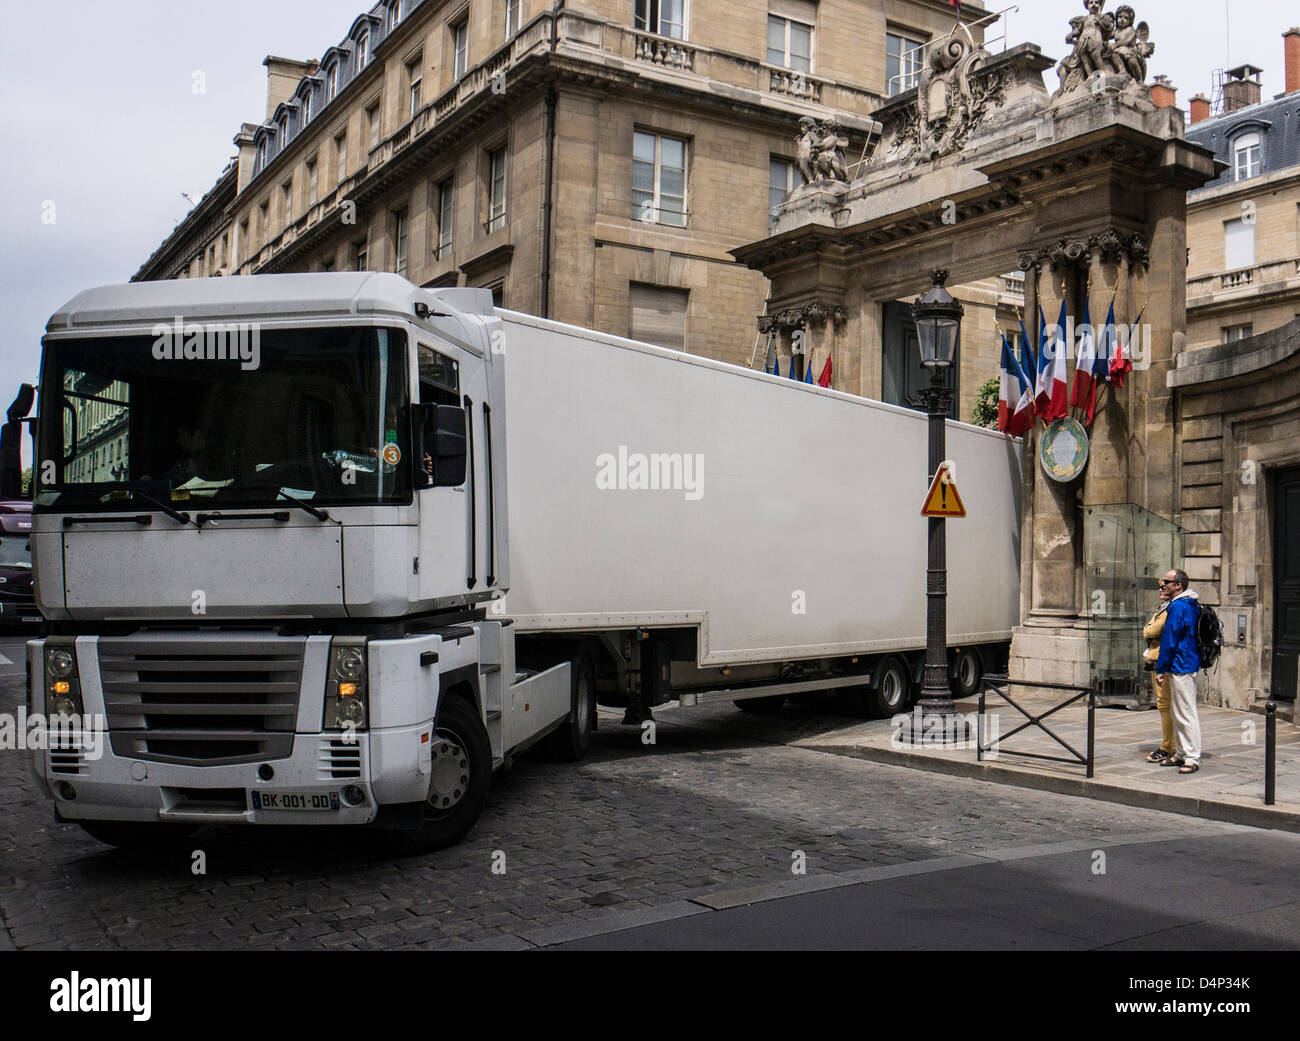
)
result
[(297, 801)]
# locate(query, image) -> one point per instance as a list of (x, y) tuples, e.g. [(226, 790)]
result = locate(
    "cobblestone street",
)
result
[(719, 802)]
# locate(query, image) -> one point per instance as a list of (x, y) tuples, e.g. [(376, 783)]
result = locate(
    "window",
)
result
[(225, 246), (1239, 244), (394, 15), (496, 190), (902, 63), (311, 181), (264, 221), (512, 18), (1246, 157), (415, 78), (261, 153), (286, 202), (783, 177), (399, 242), (306, 108), (243, 240), (658, 179), (372, 123), (903, 378), (657, 314), (460, 48), (789, 44), (284, 130), (340, 158), (663, 17), (331, 81), (363, 51), (327, 264), (1238, 332), (442, 249), (360, 255)]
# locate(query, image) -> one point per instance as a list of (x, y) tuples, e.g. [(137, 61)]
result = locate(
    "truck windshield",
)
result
[(319, 415)]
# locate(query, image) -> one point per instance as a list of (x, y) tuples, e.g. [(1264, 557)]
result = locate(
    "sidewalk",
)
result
[(1228, 787)]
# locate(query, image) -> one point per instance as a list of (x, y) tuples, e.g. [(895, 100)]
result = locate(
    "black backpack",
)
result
[(1209, 636)]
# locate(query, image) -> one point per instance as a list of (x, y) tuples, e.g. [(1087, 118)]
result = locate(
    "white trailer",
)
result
[(331, 548), (770, 527)]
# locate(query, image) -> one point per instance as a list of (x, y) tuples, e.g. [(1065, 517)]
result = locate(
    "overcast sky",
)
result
[(100, 118)]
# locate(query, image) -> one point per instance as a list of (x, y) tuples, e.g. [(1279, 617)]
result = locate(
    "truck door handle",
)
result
[(428, 658)]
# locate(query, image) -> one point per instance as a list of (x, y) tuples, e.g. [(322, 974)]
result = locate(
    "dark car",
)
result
[(17, 601)]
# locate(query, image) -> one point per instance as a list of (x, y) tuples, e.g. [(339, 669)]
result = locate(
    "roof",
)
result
[(1276, 121), (246, 297)]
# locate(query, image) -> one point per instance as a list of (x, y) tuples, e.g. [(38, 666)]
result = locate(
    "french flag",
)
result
[(1016, 397), (1058, 396), (1043, 366), (825, 379), (1122, 363), (1083, 395)]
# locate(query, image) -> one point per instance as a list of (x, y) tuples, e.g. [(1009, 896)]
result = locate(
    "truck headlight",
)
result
[(62, 683), (347, 704)]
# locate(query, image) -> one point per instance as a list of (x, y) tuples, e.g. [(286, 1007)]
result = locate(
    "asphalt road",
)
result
[(717, 835)]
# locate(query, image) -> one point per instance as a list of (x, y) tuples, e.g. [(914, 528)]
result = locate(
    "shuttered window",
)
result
[(658, 315), (1239, 244)]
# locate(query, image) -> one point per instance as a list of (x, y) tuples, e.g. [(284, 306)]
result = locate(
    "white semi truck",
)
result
[(331, 548)]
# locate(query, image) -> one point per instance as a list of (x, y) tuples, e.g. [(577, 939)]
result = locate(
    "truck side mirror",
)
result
[(11, 439), (441, 436)]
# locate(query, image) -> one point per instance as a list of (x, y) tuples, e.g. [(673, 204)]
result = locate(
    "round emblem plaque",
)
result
[(1063, 449)]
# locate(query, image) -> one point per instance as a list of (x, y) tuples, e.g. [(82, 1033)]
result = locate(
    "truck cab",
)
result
[(269, 516)]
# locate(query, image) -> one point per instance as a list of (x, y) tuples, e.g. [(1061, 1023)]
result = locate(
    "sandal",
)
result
[(1158, 756), (1189, 768), (1173, 760)]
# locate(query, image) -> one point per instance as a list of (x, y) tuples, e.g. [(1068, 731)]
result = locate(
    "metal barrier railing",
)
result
[(993, 682)]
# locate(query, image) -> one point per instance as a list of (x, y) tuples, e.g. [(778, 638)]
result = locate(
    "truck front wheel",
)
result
[(460, 774)]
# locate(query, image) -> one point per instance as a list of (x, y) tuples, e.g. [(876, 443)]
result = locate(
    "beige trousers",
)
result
[(1187, 723)]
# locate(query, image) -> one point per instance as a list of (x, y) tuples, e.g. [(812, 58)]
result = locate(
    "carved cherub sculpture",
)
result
[(1093, 33), (829, 160), (1131, 46), (806, 152)]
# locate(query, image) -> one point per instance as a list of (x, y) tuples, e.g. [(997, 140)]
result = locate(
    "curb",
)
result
[(1255, 816)]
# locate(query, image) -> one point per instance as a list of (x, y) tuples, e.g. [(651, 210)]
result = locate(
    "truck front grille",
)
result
[(206, 701)]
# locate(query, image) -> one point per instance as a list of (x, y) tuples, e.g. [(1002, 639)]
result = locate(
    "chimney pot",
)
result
[(1291, 44), (1163, 93)]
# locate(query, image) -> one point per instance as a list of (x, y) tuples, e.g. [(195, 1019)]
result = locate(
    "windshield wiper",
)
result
[(318, 514), (179, 516)]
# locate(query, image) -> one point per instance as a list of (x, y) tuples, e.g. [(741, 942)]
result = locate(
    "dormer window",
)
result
[(363, 50), (1246, 161), (306, 108), (394, 15), (284, 130), (331, 82), (261, 153)]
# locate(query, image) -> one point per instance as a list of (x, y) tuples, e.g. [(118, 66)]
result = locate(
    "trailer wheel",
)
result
[(571, 741), (459, 779), (137, 835), (892, 692), (967, 671), (761, 706)]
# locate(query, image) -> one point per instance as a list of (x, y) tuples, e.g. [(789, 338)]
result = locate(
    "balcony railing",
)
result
[(1259, 277), (661, 50), (794, 84)]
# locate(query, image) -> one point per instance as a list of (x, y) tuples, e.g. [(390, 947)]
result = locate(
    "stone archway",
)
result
[(978, 171)]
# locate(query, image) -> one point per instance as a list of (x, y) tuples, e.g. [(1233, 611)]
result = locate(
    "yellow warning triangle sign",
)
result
[(942, 499)]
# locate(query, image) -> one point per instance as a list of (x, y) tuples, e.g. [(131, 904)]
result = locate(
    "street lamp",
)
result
[(938, 322)]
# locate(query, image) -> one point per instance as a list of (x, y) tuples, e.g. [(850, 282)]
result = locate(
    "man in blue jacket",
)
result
[(1180, 661)]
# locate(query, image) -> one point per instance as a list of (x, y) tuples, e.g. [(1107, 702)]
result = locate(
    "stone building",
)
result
[(593, 163), (1237, 387)]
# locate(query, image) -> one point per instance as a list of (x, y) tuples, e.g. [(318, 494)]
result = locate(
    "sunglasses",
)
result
[(1169, 581)]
